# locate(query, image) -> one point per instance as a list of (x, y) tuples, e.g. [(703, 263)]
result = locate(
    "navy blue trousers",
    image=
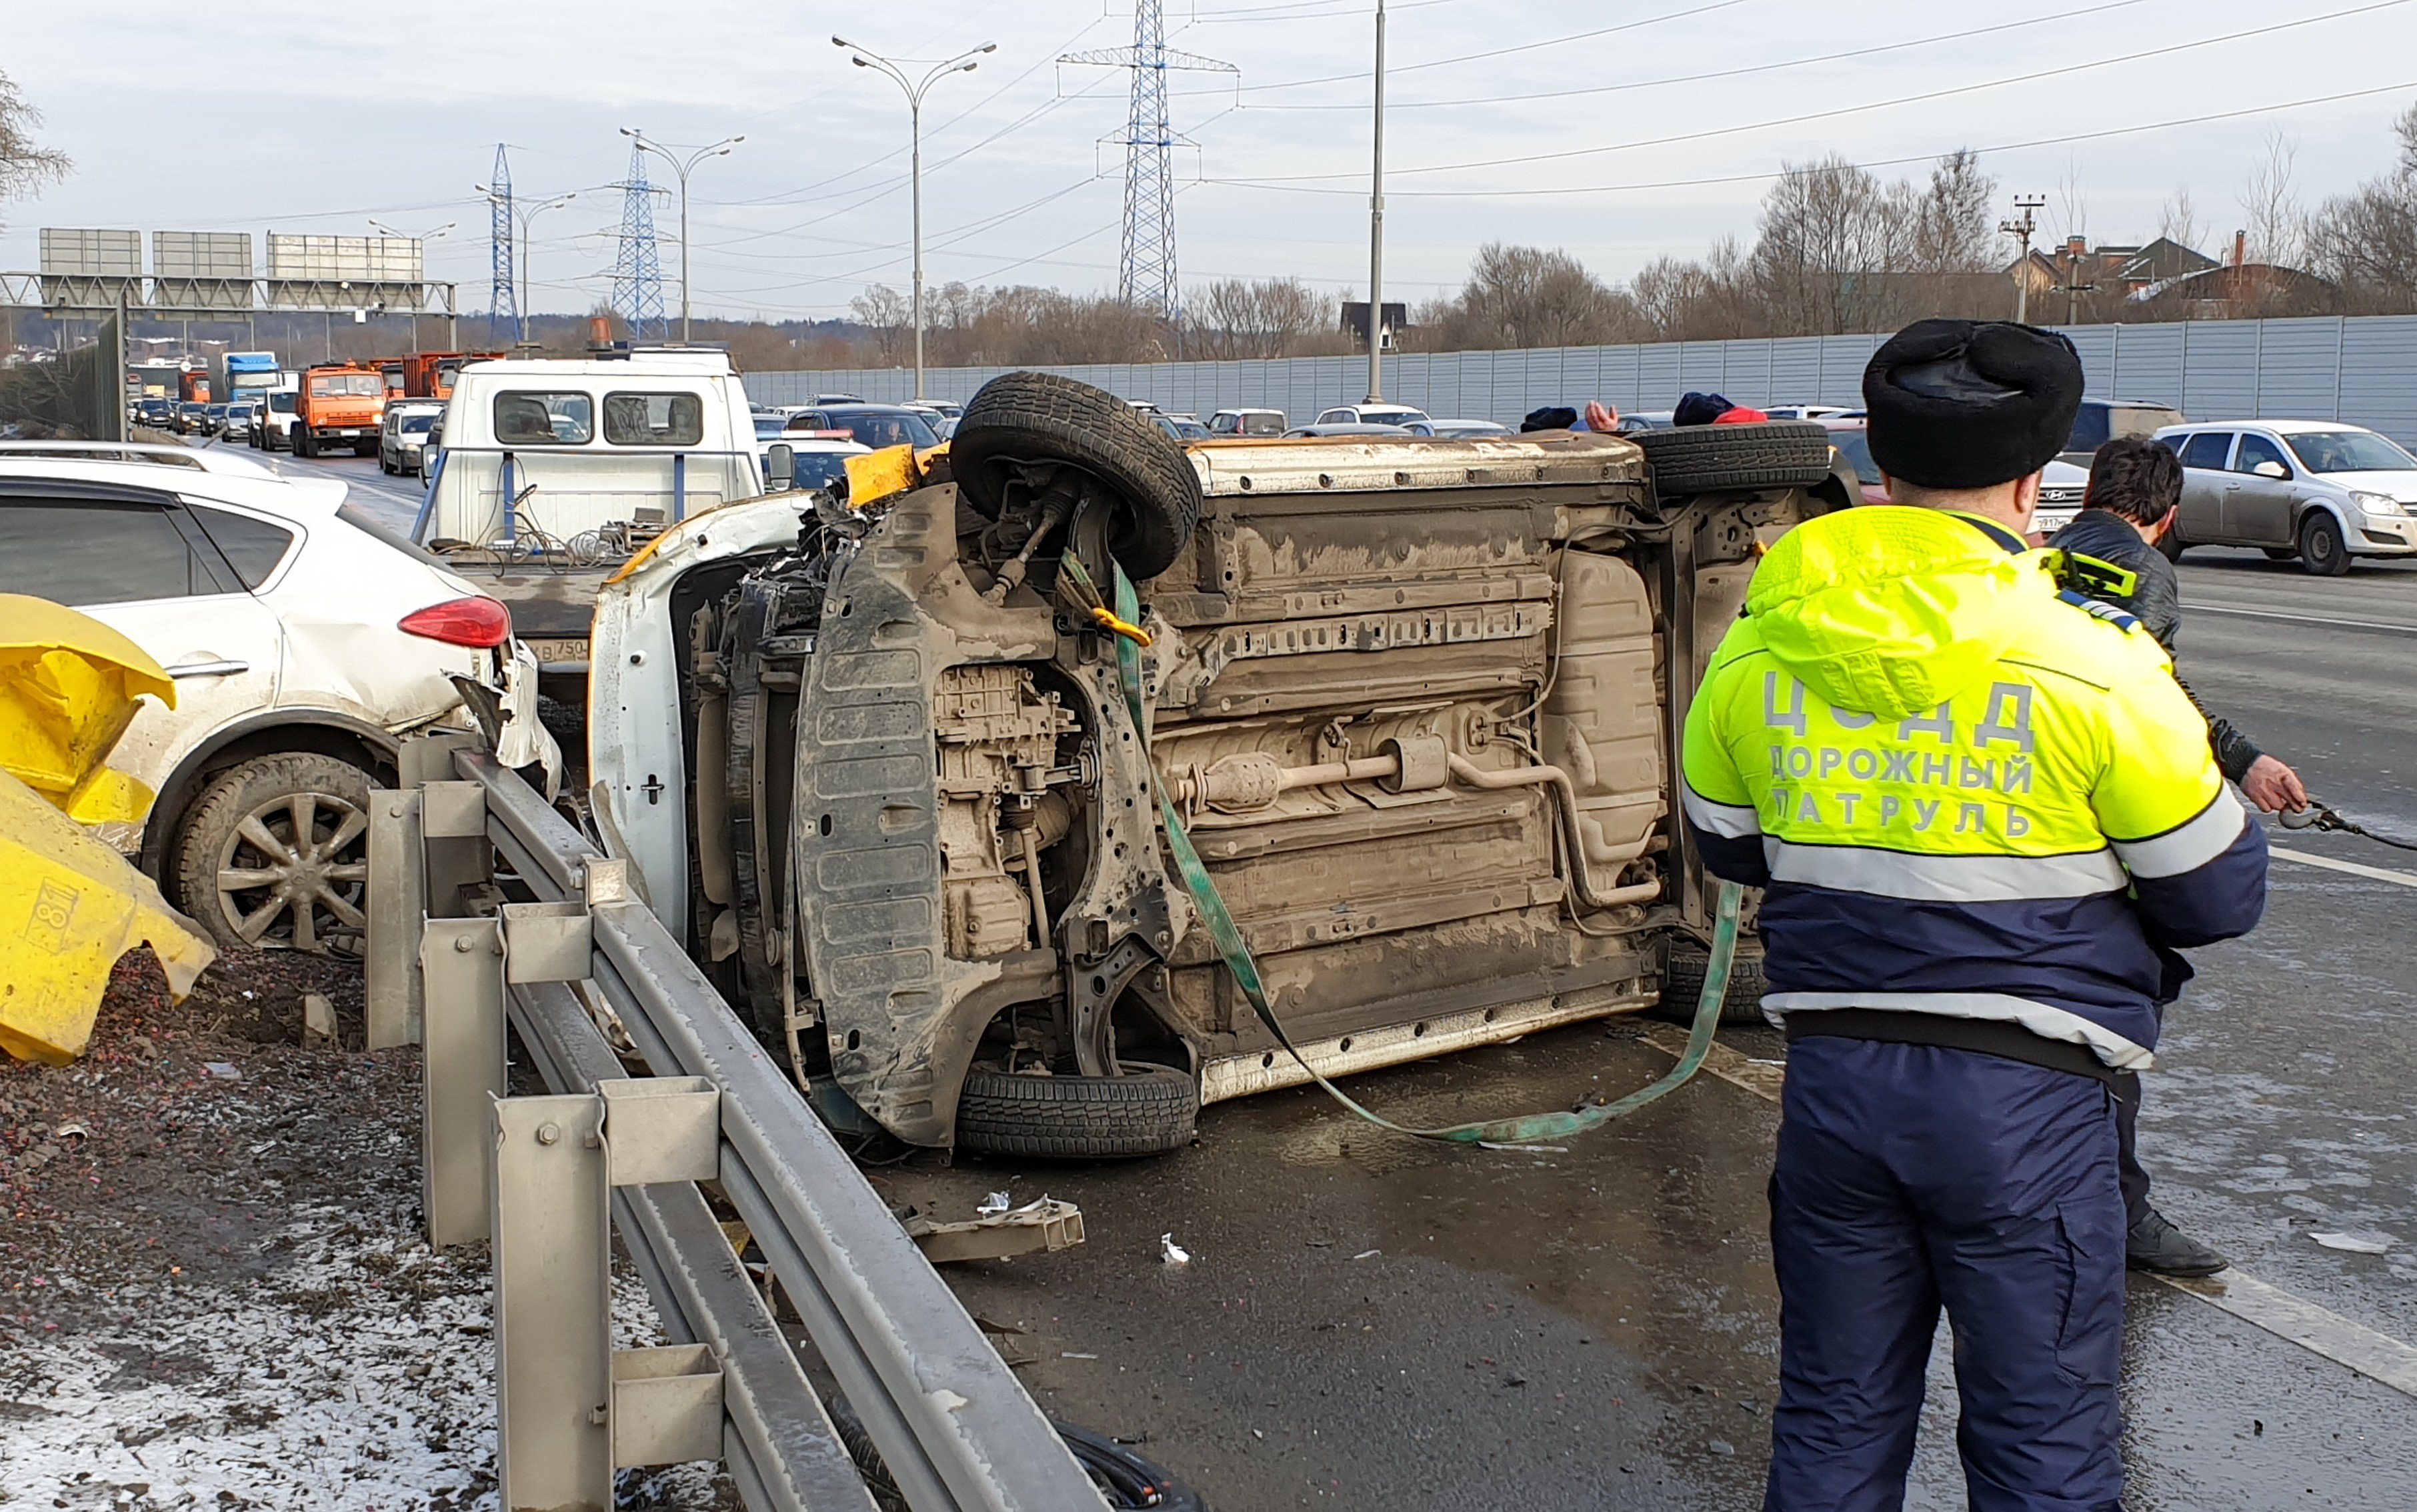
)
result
[(1910, 1177)]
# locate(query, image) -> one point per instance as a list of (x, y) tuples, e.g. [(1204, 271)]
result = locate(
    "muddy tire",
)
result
[(1038, 417), (1716, 459), (241, 874), (1683, 983), (2323, 553), (1150, 1109)]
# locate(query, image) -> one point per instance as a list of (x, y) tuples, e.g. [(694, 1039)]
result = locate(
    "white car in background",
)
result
[(817, 458), (2320, 490), (305, 640), (1414, 421)]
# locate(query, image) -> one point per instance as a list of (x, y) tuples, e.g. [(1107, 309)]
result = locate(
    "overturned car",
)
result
[(1416, 702)]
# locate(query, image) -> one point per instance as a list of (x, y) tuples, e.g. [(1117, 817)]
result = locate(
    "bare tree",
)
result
[(1953, 231), (1526, 297), (2178, 220), (886, 315), (1830, 235), (2269, 210), (1238, 318), (2366, 241), (25, 166)]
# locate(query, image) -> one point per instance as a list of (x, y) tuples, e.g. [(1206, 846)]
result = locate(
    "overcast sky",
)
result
[(298, 117)]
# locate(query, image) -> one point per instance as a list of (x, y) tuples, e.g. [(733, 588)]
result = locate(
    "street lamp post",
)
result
[(1376, 228), (524, 213), (682, 166), (423, 236), (963, 63)]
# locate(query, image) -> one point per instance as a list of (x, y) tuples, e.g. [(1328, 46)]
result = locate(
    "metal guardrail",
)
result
[(955, 1429)]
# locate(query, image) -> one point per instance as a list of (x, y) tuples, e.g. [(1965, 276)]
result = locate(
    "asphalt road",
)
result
[(1366, 1322)]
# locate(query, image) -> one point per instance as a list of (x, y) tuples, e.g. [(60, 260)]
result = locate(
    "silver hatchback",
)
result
[(2320, 490)]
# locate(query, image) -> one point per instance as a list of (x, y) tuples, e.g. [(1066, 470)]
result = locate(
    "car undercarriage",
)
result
[(1414, 702)]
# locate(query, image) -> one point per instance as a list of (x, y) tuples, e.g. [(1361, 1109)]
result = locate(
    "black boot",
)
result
[(2155, 1245)]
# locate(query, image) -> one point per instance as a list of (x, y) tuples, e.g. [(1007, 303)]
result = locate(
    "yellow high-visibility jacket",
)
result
[(1967, 795)]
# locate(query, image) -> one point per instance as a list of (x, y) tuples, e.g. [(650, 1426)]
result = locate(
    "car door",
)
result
[(2256, 508), (2204, 457), (142, 563)]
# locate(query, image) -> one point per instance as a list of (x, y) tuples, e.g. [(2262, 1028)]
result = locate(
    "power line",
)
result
[(1721, 74), (1868, 164), (1503, 51), (1856, 110)]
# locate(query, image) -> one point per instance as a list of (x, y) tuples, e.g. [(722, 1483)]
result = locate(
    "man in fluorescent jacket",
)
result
[(1985, 816)]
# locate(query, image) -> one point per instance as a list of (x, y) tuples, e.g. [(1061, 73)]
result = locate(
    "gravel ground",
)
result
[(213, 1291)]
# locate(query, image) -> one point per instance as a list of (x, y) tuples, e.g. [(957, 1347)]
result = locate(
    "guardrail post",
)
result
[(398, 905), (571, 1408), (462, 1069), (459, 857)]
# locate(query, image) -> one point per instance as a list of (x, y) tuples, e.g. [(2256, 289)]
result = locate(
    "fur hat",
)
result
[(1969, 404), (1699, 409)]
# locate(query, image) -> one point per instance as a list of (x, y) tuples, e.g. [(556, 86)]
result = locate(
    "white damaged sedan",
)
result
[(305, 640)]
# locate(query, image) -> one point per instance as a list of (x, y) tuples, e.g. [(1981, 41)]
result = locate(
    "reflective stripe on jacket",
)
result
[(1964, 795)]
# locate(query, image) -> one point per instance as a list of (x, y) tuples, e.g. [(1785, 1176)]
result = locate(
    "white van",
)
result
[(539, 453)]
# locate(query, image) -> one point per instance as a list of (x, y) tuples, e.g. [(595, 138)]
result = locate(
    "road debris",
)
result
[(2358, 1242), (994, 1202), (1171, 1253), (223, 1070), (1368, 1254), (318, 1020), (1045, 1226)]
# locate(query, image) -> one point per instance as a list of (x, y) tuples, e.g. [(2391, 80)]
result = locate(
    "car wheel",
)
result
[(1148, 1111), (275, 855), (1025, 417), (301, 439), (1682, 985), (2323, 553), (1716, 458), (2280, 553)]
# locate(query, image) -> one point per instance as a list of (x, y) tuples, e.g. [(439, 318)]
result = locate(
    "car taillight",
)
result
[(477, 621)]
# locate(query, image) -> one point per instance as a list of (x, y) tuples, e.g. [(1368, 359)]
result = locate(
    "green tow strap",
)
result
[(1528, 1128)]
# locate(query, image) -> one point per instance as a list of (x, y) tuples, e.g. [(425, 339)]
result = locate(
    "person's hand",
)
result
[(2273, 787), (1601, 416)]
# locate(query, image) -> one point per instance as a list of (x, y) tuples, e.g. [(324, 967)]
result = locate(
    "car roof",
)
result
[(299, 499), (2284, 426)]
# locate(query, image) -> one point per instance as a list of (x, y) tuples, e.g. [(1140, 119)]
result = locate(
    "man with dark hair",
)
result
[(2136, 489), (1983, 818)]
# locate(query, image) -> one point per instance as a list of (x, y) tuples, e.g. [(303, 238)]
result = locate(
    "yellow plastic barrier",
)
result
[(70, 906), (67, 690)]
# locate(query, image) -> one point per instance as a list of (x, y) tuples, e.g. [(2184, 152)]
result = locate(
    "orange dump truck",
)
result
[(430, 374), (338, 405)]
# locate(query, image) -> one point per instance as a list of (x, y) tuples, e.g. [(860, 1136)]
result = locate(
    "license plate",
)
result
[(557, 650)]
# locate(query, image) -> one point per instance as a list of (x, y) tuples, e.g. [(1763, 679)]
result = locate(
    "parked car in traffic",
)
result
[(192, 417), (873, 425), (1181, 426), (404, 436), (2101, 420), (1464, 429), (1248, 422), (1349, 428), (2320, 490), (237, 422), (158, 413), (272, 425), (1414, 421), (305, 640), (814, 460)]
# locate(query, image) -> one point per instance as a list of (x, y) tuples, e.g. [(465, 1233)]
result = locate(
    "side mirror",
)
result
[(2271, 469), (779, 468)]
